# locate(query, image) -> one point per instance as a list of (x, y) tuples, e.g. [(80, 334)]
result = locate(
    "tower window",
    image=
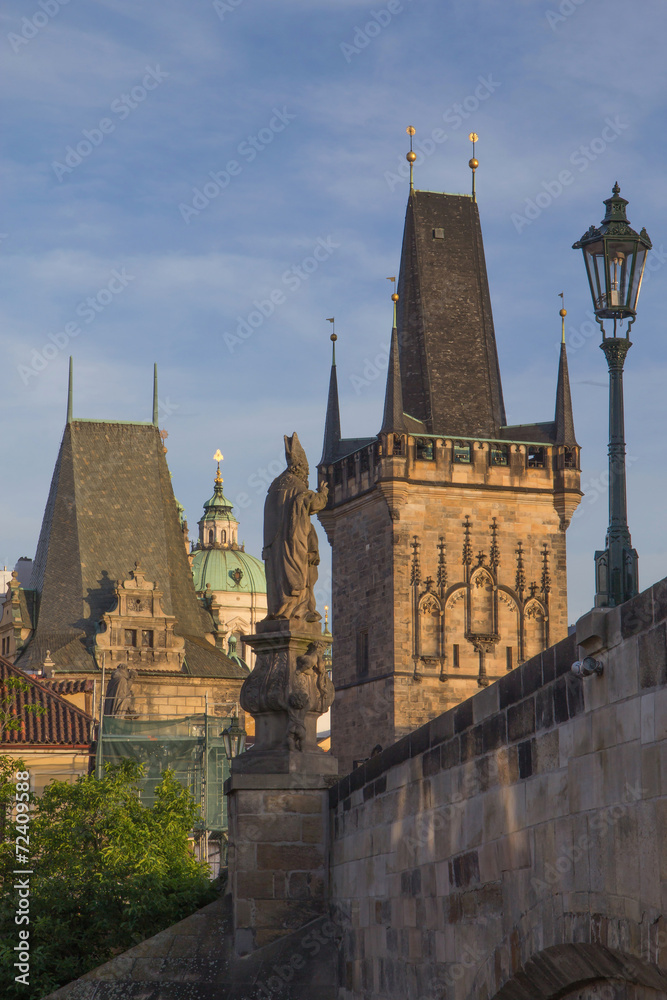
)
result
[(211, 537), (500, 455), (147, 637), (455, 655), (570, 458), (462, 452), (364, 464), (223, 536), (130, 636), (338, 475), (362, 653), (424, 449), (536, 458), (398, 444), (509, 662), (350, 467)]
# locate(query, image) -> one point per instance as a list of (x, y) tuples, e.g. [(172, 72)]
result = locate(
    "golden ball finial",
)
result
[(563, 313), (333, 338), (394, 297), (473, 164), (411, 157)]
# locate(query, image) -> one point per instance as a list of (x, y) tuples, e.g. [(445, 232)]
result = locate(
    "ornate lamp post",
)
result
[(615, 256), (233, 738)]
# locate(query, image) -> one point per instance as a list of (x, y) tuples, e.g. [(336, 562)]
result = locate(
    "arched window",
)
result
[(211, 537), (223, 537)]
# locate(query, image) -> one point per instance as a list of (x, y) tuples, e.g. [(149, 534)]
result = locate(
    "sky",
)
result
[(169, 170)]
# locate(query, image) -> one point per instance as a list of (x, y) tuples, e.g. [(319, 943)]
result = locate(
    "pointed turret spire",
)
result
[(155, 402), (393, 420), (332, 423), (563, 418), (70, 390)]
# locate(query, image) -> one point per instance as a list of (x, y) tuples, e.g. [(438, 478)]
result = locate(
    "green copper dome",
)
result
[(228, 569), (218, 508)]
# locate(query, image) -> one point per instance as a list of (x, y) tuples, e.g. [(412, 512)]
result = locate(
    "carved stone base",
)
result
[(278, 790), (286, 693)]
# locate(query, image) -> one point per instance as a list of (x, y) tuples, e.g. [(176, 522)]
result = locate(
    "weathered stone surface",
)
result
[(542, 835)]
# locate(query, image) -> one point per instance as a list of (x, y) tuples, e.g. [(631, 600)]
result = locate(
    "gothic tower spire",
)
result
[(393, 420), (564, 420), (332, 424)]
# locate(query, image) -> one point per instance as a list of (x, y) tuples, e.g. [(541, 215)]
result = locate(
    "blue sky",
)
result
[(289, 120)]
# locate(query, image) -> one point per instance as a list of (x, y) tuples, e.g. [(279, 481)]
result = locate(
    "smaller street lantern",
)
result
[(233, 738), (615, 258)]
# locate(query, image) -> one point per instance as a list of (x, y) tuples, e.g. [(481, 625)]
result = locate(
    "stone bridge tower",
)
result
[(447, 527)]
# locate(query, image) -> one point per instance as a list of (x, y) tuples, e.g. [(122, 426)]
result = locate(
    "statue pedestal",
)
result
[(278, 803)]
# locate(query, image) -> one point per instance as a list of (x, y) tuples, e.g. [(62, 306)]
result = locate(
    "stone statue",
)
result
[(290, 549), (119, 698)]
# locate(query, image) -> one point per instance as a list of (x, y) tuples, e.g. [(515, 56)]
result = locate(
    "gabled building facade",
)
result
[(447, 527), (111, 585)]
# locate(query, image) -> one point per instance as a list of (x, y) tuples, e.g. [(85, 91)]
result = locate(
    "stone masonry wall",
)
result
[(515, 846), (372, 569)]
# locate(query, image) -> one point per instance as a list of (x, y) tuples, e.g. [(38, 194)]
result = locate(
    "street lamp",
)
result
[(615, 257), (233, 738)]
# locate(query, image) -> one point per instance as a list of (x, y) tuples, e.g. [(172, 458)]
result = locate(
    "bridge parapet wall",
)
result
[(529, 820)]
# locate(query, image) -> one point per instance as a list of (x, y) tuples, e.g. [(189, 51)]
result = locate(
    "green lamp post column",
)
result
[(615, 257)]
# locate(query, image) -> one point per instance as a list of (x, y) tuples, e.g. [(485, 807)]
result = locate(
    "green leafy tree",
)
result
[(108, 873)]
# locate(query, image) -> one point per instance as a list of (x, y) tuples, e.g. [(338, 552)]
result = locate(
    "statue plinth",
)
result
[(278, 789), (286, 693)]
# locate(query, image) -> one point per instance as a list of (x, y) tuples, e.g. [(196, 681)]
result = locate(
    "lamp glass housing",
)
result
[(615, 270), (233, 738)]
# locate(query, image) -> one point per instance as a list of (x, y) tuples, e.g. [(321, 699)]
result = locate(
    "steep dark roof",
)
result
[(564, 419), (60, 725), (111, 504), (449, 363)]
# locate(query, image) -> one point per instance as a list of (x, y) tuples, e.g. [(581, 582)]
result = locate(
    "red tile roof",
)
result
[(60, 725)]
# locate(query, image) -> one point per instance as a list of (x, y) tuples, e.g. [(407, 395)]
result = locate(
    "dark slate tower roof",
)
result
[(564, 420), (449, 362), (111, 505)]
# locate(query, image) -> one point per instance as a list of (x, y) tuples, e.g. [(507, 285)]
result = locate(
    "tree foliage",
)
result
[(108, 872)]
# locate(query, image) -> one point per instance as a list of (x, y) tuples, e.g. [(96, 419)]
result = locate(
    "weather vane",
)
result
[(473, 163), (394, 295), (333, 338), (562, 314), (411, 156), (218, 458)]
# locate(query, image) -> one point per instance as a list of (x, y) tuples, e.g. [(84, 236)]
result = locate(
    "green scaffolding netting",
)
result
[(191, 746)]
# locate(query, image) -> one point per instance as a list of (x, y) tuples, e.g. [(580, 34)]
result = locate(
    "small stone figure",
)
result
[(311, 669), (290, 542), (119, 698)]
